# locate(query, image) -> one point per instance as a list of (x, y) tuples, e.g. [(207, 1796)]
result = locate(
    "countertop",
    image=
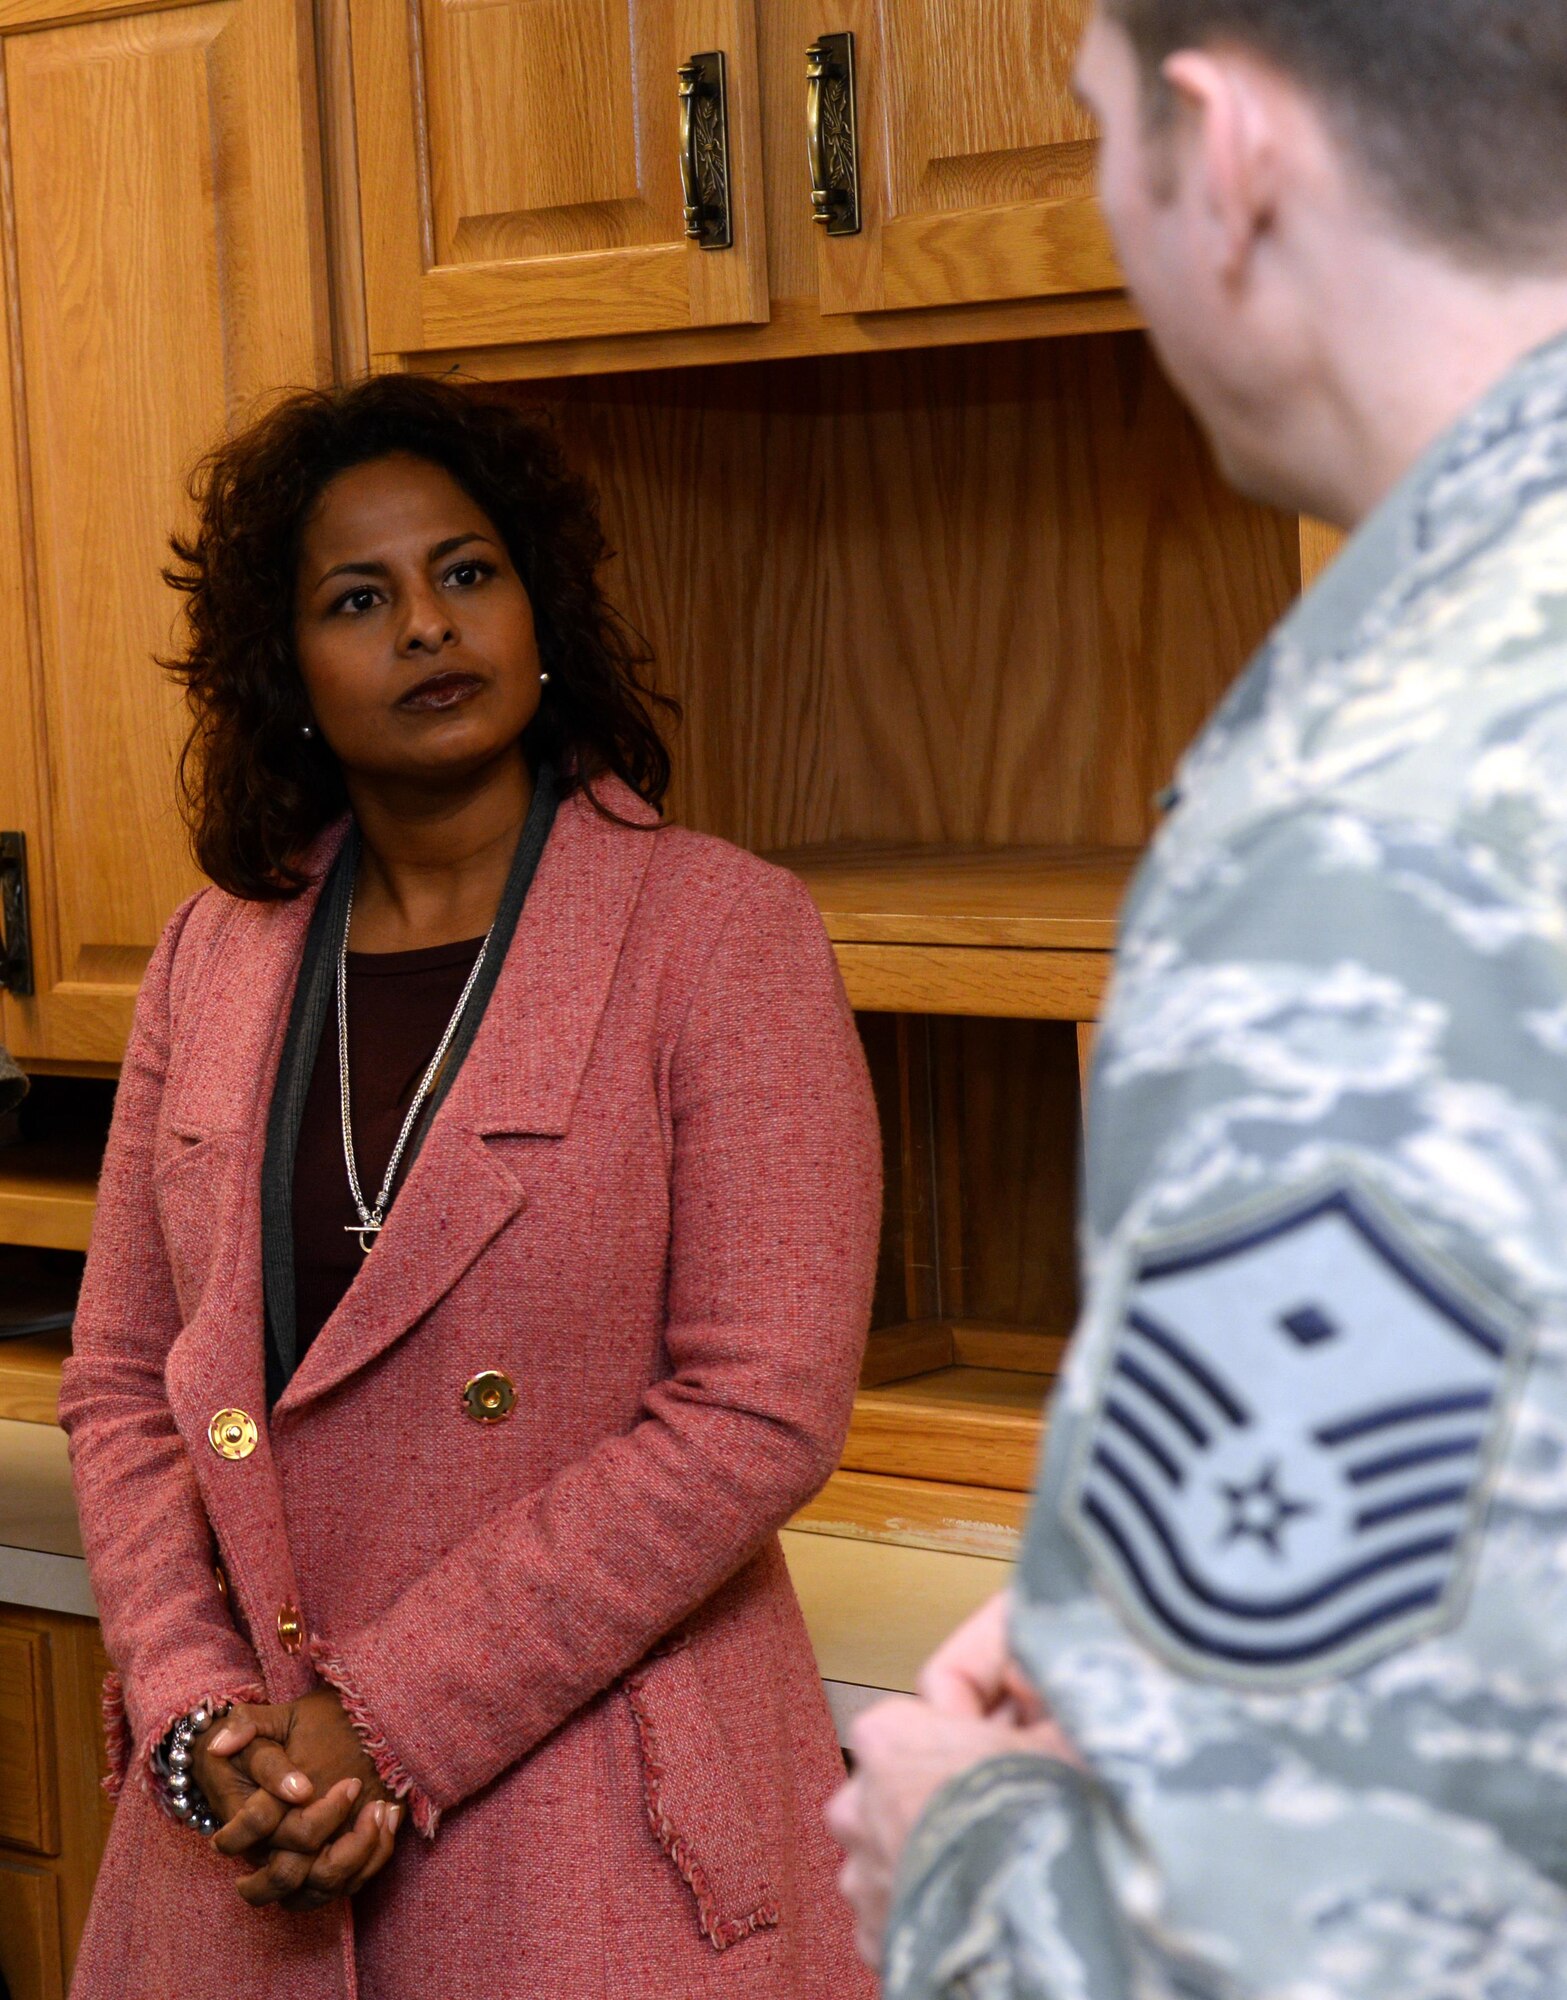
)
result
[(40, 1540)]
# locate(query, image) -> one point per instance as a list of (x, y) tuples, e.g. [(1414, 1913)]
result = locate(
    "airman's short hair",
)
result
[(1455, 109)]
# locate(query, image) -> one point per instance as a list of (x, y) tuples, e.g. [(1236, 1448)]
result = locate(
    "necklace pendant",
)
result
[(365, 1231)]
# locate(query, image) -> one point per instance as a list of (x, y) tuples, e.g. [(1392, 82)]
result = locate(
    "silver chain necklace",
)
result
[(372, 1220)]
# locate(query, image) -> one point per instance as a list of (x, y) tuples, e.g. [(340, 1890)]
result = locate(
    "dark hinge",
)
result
[(16, 940)]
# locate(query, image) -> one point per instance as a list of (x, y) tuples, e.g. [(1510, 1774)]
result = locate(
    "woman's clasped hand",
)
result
[(297, 1798)]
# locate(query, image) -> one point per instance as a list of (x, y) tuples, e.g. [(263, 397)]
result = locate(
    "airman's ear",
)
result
[(1225, 134)]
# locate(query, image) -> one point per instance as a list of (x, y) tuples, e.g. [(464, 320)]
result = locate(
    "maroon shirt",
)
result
[(399, 1003)]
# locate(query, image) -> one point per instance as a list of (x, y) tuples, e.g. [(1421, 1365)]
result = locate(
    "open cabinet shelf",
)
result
[(976, 1288), (30, 1377), (48, 1191), (1008, 932), (1039, 898), (991, 963), (954, 1400), (49, 1177)]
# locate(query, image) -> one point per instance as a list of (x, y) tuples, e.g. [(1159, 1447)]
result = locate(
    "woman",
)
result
[(483, 1256)]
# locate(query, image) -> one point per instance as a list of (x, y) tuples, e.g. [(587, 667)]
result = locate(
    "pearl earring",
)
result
[(306, 731), (543, 677)]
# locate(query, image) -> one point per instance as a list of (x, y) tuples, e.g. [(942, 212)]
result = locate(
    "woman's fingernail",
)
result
[(223, 1742), (394, 1817), (378, 1812), (355, 1787), (297, 1785)]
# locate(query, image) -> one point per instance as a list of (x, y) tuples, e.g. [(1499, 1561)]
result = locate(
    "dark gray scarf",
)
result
[(313, 997)]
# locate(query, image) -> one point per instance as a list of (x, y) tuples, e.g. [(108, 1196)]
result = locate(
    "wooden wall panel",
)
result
[(978, 595)]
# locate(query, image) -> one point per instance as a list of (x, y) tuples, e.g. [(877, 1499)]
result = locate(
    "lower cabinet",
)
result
[(54, 1813), (30, 1953)]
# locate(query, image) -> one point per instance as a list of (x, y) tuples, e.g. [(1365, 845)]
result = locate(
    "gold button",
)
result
[(232, 1434), (490, 1396), (290, 1628)]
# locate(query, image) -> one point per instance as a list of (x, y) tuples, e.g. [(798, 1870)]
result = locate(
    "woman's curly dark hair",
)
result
[(255, 790)]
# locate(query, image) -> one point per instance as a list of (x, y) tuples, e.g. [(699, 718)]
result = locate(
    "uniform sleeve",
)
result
[(775, 1182), (1294, 1582), (165, 1626)]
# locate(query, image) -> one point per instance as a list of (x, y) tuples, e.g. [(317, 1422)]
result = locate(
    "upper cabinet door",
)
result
[(522, 169), (157, 257), (976, 161)]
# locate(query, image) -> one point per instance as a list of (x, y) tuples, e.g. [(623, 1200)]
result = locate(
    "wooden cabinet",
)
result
[(54, 1813), (28, 1814), (977, 162), (520, 167), (942, 624), (518, 164), (973, 969), (30, 1956), (160, 254)]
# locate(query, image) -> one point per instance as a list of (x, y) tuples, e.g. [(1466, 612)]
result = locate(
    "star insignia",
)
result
[(1260, 1512)]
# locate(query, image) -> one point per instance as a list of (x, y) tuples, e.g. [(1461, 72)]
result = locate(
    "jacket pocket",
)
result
[(190, 1190), (697, 1801)]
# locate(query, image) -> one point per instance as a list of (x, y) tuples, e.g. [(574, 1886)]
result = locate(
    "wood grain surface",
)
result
[(980, 596), (342, 214), (48, 1193), (30, 1377), (976, 160), (1040, 898), (29, 1813), (1320, 545), (30, 1931), (57, 1756), (794, 327), (163, 267), (971, 1426), (519, 168), (977, 1282), (1019, 250)]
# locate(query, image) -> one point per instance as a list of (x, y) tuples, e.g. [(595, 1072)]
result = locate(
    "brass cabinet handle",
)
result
[(704, 151), (816, 151), (831, 138)]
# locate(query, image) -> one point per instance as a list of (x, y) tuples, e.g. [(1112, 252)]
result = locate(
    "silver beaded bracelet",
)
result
[(173, 1776)]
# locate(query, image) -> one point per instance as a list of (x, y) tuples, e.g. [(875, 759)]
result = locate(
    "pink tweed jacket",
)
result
[(651, 1198)]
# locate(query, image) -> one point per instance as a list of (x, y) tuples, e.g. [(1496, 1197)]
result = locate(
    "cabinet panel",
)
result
[(30, 1933), (27, 1803), (161, 257), (977, 162), (520, 169)]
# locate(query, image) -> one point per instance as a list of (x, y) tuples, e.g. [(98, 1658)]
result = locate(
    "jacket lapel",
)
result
[(522, 1075), (229, 1041)]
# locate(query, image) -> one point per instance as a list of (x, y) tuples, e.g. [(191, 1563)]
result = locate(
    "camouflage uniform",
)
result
[(1296, 1577)]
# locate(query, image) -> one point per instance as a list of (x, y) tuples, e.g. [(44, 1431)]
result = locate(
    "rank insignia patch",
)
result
[(1289, 1450)]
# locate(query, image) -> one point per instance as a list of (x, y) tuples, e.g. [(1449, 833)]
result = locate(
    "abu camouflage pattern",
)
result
[(1296, 1577)]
